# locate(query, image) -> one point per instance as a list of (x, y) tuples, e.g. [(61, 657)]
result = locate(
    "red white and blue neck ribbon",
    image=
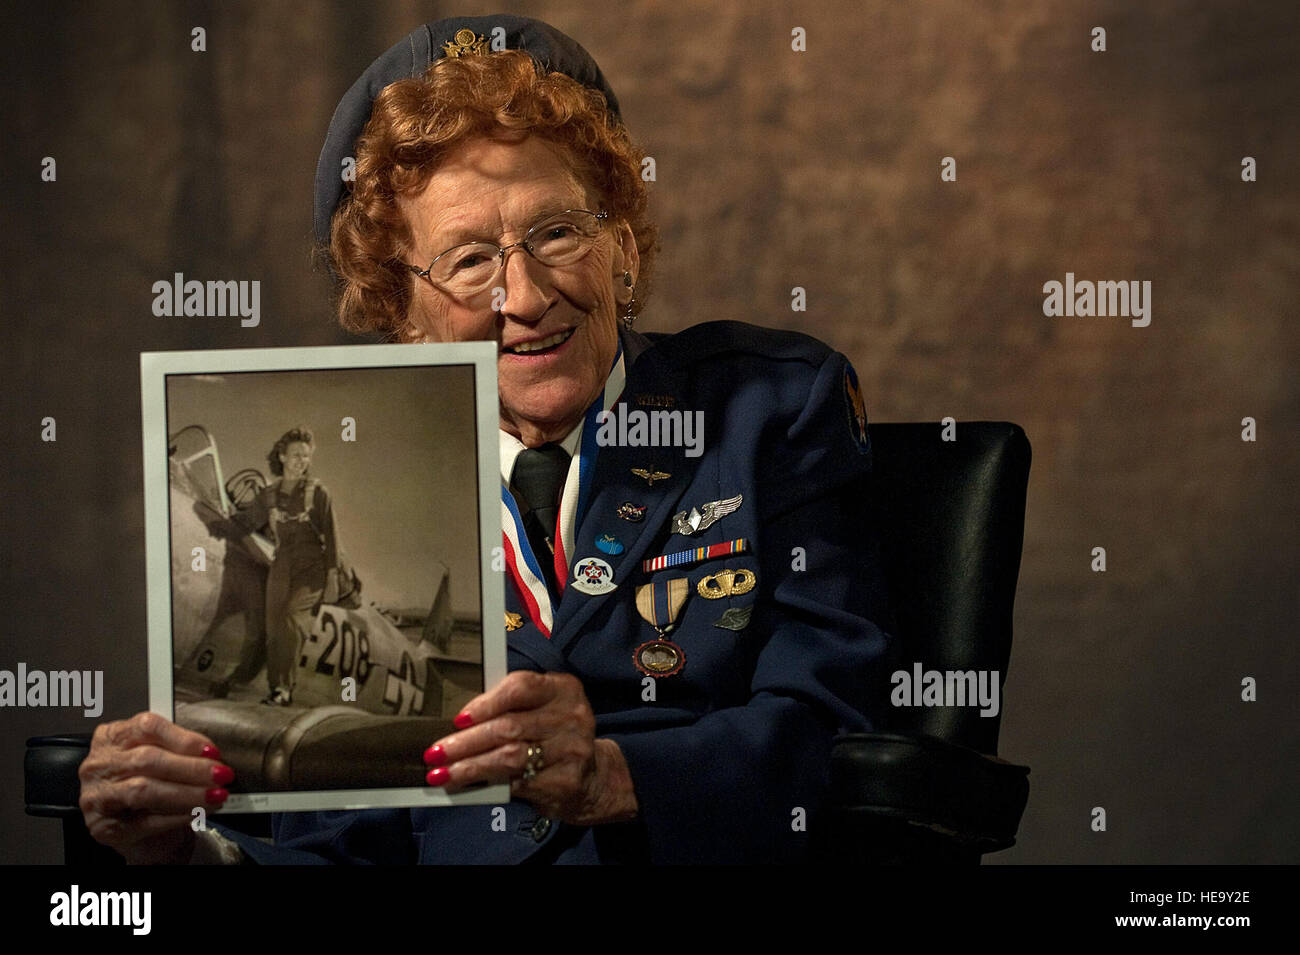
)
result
[(520, 559)]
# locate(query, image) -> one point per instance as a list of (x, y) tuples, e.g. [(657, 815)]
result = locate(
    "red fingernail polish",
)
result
[(216, 795), (437, 777), (463, 721), (211, 752), (435, 756), (222, 774)]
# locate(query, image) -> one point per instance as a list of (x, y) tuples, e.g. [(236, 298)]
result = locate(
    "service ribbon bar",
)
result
[(695, 554)]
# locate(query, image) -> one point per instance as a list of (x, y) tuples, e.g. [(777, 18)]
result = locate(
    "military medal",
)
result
[(609, 544), (659, 658), (702, 518), (513, 621), (727, 583), (695, 555), (659, 605), (651, 475), (631, 512), (591, 575)]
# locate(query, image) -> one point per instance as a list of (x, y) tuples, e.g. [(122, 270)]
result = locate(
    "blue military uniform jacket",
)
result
[(730, 760)]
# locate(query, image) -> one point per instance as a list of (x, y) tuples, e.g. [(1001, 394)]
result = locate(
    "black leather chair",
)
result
[(928, 787)]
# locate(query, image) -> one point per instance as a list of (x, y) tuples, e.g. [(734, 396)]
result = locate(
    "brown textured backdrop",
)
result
[(775, 169)]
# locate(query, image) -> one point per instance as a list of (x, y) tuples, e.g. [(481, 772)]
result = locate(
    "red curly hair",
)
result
[(417, 122)]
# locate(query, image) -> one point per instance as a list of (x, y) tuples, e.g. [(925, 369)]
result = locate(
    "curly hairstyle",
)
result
[(289, 437), (415, 123)]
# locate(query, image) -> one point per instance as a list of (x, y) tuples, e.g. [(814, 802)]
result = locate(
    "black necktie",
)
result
[(539, 477)]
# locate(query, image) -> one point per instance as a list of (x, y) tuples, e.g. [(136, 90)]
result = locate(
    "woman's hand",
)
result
[(141, 782), (581, 780)]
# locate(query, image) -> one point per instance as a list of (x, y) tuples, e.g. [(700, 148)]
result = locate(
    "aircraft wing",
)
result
[(274, 748)]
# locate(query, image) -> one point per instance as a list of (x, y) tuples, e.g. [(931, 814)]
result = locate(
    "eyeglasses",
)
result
[(559, 239)]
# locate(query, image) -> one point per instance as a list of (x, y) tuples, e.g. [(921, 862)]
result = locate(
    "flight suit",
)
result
[(305, 546)]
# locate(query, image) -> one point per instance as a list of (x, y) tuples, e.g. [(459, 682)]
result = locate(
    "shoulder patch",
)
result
[(857, 412)]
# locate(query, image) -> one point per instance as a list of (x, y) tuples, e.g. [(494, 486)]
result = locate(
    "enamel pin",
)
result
[(591, 575), (609, 544), (632, 512), (702, 518), (513, 621)]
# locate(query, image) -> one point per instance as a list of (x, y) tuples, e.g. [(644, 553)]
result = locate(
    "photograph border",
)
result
[(155, 367)]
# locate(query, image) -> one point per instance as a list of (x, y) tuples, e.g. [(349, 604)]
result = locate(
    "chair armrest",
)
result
[(889, 782), (53, 788), (50, 782)]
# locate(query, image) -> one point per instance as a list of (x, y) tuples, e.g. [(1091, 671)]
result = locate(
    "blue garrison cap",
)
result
[(410, 58)]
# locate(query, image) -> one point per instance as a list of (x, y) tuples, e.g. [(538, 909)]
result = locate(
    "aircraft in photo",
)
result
[(361, 673)]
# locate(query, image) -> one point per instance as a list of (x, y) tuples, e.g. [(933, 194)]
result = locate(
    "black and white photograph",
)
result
[(880, 450), (324, 583)]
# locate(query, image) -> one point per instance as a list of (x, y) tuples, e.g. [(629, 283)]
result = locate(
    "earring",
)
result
[(628, 318)]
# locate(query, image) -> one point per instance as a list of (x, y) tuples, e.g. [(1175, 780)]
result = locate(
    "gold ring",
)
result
[(534, 764)]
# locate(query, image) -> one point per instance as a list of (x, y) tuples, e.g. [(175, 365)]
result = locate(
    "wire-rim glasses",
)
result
[(560, 239)]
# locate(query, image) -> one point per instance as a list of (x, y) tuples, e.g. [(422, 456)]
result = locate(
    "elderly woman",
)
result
[(689, 625)]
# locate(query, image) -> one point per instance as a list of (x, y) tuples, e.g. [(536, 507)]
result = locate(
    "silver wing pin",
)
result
[(701, 518)]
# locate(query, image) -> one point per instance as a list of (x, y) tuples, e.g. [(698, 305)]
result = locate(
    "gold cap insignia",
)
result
[(464, 43)]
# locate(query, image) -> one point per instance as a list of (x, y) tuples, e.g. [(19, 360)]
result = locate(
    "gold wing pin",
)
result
[(651, 475)]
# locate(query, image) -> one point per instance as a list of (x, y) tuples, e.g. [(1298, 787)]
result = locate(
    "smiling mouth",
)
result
[(541, 345)]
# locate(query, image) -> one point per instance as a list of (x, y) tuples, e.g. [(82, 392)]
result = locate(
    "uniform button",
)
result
[(540, 828)]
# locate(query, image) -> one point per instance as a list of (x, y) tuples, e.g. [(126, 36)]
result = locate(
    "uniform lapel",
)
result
[(613, 484)]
